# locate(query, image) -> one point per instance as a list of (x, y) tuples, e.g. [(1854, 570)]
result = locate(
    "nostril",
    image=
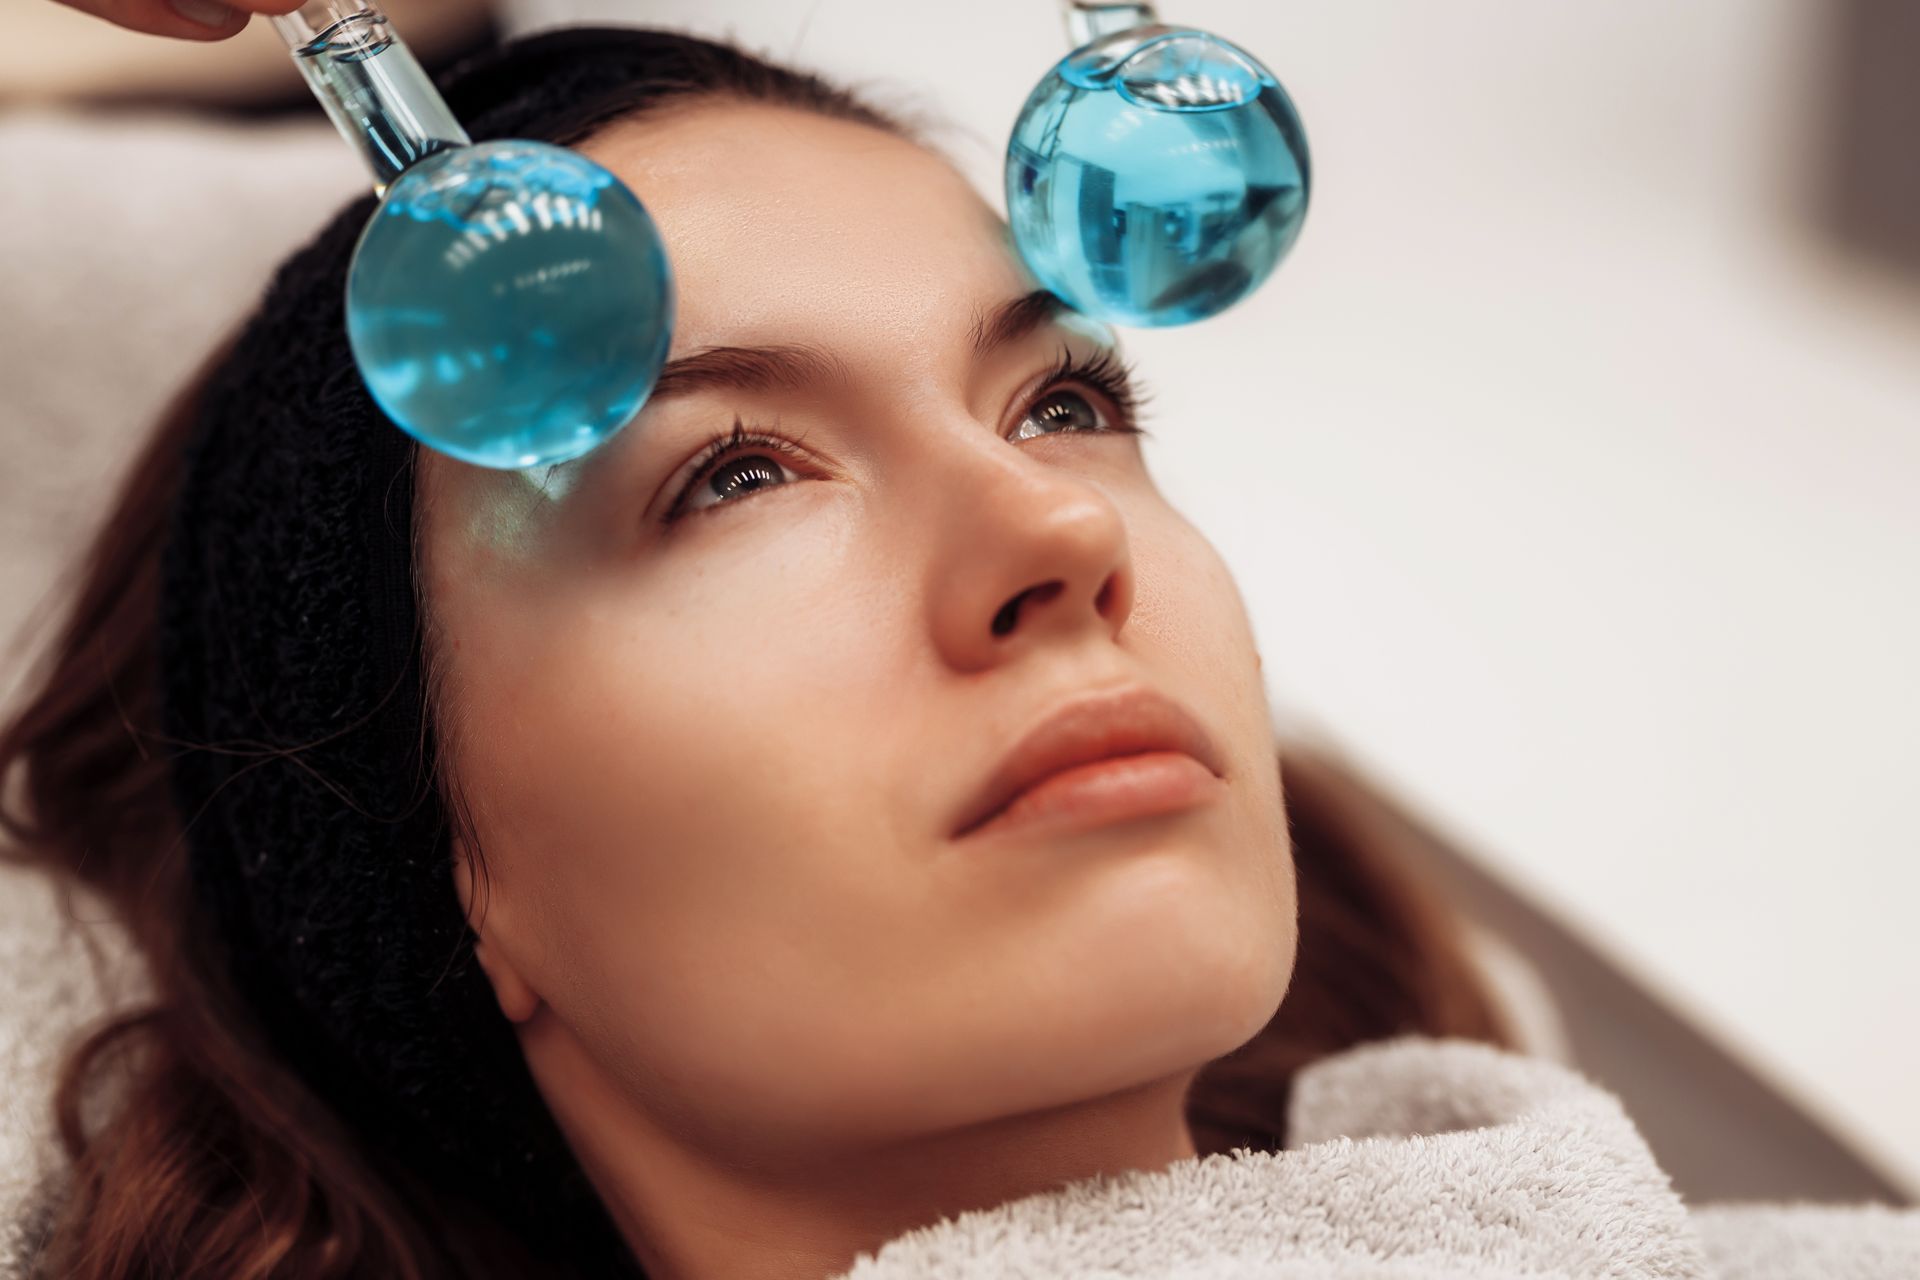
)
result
[(1004, 620)]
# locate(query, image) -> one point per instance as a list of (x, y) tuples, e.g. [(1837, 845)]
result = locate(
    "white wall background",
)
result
[(1568, 477)]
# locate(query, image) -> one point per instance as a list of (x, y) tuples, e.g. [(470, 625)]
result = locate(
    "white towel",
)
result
[(1412, 1159), (62, 966)]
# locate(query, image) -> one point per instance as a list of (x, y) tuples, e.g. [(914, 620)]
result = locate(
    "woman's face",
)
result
[(715, 766)]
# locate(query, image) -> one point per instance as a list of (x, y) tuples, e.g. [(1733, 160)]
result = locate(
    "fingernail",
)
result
[(208, 13)]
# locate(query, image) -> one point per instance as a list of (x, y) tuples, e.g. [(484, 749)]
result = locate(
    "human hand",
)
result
[(183, 19)]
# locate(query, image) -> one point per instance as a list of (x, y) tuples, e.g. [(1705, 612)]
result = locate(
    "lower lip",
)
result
[(1135, 786)]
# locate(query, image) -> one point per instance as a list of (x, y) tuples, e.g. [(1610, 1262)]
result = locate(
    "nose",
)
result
[(1027, 552)]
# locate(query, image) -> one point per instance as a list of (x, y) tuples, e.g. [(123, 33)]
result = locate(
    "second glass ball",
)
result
[(1156, 176)]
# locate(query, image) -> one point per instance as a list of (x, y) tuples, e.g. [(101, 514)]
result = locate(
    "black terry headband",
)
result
[(319, 847), (291, 687)]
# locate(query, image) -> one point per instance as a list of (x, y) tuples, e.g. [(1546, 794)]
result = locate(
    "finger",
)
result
[(183, 19)]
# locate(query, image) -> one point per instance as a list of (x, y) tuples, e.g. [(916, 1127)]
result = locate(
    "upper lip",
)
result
[(1098, 726)]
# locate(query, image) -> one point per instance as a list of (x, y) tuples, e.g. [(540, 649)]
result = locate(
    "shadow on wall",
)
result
[(1866, 197)]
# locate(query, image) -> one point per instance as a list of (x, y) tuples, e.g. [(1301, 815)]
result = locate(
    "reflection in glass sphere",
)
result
[(1156, 176)]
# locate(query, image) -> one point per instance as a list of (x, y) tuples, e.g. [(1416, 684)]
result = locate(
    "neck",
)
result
[(692, 1212)]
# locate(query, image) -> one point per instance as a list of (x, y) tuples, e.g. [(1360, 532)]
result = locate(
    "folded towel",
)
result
[(1412, 1159), (63, 964)]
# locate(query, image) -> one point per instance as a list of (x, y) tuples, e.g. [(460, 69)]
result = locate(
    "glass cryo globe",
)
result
[(1156, 176), (510, 303)]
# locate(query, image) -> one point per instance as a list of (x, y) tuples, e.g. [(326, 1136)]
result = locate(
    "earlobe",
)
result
[(518, 1000)]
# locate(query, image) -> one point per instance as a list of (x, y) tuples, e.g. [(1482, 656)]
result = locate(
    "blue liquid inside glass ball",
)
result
[(1156, 177), (509, 303)]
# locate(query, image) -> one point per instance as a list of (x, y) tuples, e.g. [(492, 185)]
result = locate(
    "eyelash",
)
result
[(1105, 373)]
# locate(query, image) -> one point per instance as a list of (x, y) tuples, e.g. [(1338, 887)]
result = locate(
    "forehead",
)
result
[(783, 224)]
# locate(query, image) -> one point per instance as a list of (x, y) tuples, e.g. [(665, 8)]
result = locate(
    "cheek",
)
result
[(1188, 608), (691, 791), (1192, 618)]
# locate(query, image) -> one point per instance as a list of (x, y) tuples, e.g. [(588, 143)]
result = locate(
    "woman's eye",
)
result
[(1062, 410), (726, 480)]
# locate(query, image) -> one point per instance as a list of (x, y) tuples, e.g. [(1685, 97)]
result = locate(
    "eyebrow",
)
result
[(789, 365), (747, 368), (1014, 320)]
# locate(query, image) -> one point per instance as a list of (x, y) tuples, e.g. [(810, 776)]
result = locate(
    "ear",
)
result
[(517, 998)]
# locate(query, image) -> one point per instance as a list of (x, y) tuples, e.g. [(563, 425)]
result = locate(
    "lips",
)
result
[(1087, 728)]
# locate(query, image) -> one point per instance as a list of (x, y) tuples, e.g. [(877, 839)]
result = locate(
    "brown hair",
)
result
[(214, 1160)]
